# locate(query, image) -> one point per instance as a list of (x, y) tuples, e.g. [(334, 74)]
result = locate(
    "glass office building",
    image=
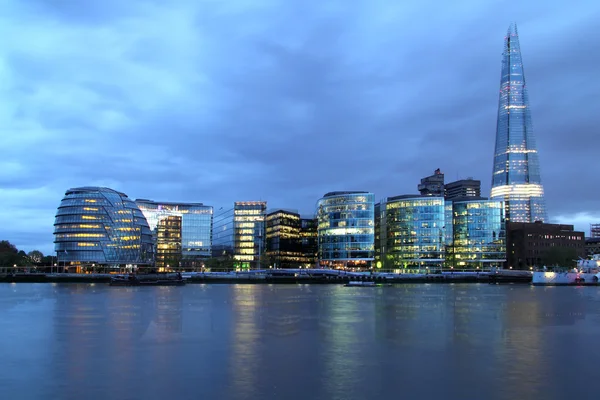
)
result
[(222, 236), (346, 230), (168, 243), (412, 233), (239, 233), (96, 226), (249, 233), (196, 228), (478, 240), (283, 242), (516, 172), (309, 240)]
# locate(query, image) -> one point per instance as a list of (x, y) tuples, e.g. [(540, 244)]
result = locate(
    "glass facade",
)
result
[(223, 233), (283, 243), (95, 225), (516, 174), (346, 230), (168, 243), (248, 233), (413, 232), (308, 237), (478, 235), (195, 228)]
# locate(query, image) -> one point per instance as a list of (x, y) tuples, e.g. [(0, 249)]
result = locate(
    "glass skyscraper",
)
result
[(516, 174)]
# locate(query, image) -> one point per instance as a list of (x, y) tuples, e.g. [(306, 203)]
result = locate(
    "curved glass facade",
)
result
[(193, 239), (413, 232), (96, 225), (346, 230), (516, 175), (479, 236)]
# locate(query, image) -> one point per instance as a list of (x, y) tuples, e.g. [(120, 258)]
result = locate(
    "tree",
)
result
[(10, 255), (223, 263), (560, 256), (35, 256), (8, 247), (48, 260), (265, 260)]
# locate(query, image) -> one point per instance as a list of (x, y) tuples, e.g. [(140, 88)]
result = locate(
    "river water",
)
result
[(425, 341)]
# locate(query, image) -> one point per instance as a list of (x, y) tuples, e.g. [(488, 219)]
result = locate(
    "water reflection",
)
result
[(246, 340), (299, 341)]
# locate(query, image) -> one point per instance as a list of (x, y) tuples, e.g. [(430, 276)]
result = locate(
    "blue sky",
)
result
[(216, 102)]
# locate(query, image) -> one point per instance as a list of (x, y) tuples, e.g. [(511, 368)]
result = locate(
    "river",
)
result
[(426, 341)]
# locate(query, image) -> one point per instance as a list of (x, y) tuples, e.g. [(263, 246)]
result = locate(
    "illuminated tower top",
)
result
[(516, 176)]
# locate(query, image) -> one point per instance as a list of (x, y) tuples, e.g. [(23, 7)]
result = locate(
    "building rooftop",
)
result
[(169, 203), (90, 189), (331, 194), (412, 196)]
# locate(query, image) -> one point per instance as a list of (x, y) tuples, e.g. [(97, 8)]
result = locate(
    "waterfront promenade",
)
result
[(292, 276)]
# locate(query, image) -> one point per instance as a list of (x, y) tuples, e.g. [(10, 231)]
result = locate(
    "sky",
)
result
[(220, 101)]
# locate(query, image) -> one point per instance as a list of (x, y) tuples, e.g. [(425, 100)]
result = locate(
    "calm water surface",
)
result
[(82, 341)]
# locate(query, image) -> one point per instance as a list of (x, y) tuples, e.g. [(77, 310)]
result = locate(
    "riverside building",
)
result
[(283, 241), (239, 232), (516, 172), (411, 233), (97, 227), (182, 232), (476, 235), (345, 230)]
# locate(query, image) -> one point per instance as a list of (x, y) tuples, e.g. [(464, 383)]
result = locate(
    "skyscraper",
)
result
[(516, 176)]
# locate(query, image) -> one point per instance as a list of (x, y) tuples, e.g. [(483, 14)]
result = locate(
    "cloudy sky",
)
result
[(282, 100)]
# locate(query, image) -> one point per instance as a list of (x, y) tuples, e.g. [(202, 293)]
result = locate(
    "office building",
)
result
[(463, 188), (478, 234), (168, 243), (283, 242), (223, 233), (345, 230), (195, 236), (309, 240), (516, 170), (595, 230), (97, 226), (432, 185), (239, 233), (533, 245), (412, 233)]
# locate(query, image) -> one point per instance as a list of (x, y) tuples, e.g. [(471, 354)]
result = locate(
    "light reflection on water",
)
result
[(298, 341)]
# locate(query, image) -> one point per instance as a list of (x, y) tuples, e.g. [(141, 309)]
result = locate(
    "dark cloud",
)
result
[(281, 101)]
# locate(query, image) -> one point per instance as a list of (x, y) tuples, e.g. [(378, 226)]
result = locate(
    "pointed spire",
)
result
[(516, 178)]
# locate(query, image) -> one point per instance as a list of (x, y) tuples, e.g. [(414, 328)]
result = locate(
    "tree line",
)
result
[(11, 256)]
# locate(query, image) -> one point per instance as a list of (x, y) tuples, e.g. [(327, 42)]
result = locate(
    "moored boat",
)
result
[(586, 273)]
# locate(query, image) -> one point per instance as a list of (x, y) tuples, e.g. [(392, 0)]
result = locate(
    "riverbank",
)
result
[(292, 277)]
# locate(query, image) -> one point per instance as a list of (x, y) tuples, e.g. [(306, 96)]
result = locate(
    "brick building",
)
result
[(531, 245)]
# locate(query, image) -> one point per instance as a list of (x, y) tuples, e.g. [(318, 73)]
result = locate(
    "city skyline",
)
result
[(295, 102)]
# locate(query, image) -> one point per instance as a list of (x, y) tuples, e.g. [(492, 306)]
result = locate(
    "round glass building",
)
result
[(413, 232), (346, 230), (97, 226)]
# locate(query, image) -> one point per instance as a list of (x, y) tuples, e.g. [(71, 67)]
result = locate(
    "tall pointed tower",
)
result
[(516, 177)]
